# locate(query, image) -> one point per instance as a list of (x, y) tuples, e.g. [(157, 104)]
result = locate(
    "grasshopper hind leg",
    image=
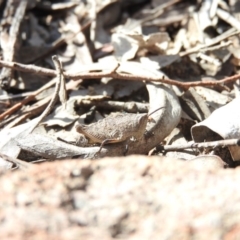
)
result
[(107, 141)]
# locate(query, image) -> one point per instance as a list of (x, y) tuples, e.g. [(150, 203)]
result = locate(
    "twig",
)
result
[(62, 91), (209, 59), (214, 144), (12, 41), (57, 64), (110, 73), (35, 110), (27, 99), (14, 96), (30, 97), (217, 47), (56, 6), (227, 17), (214, 41)]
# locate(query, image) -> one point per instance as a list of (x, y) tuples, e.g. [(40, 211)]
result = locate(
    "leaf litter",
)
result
[(179, 55)]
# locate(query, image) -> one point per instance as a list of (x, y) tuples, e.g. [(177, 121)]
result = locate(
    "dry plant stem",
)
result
[(93, 15), (17, 95), (12, 43), (26, 100), (123, 76), (58, 65), (57, 6), (63, 91), (214, 144), (214, 41), (31, 96), (229, 18), (33, 111), (217, 47)]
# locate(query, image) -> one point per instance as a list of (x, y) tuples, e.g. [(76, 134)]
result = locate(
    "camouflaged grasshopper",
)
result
[(115, 129)]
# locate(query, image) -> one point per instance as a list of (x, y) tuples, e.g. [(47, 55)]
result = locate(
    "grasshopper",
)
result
[(116, 129)]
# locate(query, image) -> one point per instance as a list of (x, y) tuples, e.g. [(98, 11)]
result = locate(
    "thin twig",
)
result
[(12, 44), (58, 67), (27, 99), (231, 32), (214, 144), (217, 47), (35, 110), (110, 73)]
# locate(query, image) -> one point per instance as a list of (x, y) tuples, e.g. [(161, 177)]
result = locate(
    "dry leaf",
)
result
[(8, 144), (159, 61), (213, 98), (223, 123)]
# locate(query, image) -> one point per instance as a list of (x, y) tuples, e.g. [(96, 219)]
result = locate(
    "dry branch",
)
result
[(90, 75), (214, 144)]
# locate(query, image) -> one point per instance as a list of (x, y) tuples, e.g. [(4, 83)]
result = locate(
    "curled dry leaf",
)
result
[(223, 123), (194, 105)]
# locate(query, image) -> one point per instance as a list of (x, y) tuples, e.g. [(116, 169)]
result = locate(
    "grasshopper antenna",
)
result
[(154, 111)]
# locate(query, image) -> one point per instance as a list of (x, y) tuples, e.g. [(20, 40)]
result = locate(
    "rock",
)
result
[(134, 197)]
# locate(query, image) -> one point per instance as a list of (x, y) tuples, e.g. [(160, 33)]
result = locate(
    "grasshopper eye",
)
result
[(150, 119)]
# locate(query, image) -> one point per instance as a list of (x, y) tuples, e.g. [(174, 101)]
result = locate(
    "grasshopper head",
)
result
[(142, 120)]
